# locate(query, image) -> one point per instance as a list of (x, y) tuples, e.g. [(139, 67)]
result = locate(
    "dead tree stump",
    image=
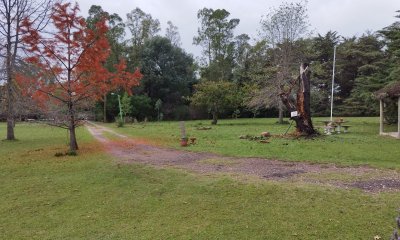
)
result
[(302, 102)]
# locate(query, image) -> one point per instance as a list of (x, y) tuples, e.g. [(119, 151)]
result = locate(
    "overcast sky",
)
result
[(347, 17)]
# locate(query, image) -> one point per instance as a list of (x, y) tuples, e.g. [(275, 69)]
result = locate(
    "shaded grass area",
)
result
[(90, 196), (362, 145)]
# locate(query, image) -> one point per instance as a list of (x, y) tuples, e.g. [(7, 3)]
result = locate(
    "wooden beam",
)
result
[(380, 116)]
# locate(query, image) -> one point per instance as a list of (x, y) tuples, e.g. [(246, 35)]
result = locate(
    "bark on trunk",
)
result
[(303, 121), (10, 100), (10, 113), (73, 144), (215, 118), (280, 109), (105, 109)]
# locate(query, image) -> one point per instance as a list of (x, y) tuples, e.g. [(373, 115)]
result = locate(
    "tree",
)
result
[(215, 35), (12, 13), (143, 28), (241, 71), (217, 96), (168, 73), (115, 35), (303, 120), (70, 63), (142, 107), (126, 104), (281, 28), (366, 58), (322, 61), (392, 39), (172, 34)]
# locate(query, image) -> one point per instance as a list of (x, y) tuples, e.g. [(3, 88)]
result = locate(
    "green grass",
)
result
[(361, 146), (90, 196)]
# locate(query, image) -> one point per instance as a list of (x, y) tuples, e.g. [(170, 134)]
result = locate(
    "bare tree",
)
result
[(281, 28), (172, 34), (12, 13)]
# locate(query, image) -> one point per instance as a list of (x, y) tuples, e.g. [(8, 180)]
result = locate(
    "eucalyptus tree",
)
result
[(215, 36), (172, 34), (142, 27)]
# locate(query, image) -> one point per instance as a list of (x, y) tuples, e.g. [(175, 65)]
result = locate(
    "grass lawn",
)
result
[(89, 196), (362, 145)]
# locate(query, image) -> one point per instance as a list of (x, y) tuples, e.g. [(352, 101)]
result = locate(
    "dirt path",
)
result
[(128, 150)]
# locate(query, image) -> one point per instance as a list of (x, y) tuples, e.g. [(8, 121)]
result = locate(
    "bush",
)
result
[(142, 107), (119, 122)]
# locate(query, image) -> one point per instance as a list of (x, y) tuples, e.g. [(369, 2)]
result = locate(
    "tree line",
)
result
[(236, 76), (240, 76)]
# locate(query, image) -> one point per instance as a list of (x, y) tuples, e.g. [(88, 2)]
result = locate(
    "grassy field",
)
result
[(89, 196), (362, 145)]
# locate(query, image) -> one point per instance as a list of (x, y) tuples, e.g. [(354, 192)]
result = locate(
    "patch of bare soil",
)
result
[(377, 185), (128, 150)]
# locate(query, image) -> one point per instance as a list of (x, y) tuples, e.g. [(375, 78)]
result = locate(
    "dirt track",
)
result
[(128, 150)]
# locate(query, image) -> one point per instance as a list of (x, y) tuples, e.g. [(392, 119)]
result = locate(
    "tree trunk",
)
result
[(10, 113), (215, 118), (73, 144), (10, 100), (303, 121), (105, 109), (280, 109)]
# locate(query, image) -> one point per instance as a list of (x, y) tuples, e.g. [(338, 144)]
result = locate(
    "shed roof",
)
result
[(391, 90)]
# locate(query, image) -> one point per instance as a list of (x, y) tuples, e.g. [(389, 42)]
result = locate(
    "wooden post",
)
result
[(381, 116), (398, 118), (183, 129)]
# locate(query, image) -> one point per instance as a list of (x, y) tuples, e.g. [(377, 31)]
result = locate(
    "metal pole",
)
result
[(398, 118), (380, 116), (333, 79), (120, 108)]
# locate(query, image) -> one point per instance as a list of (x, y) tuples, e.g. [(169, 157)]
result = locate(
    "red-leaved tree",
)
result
[(67, 65)]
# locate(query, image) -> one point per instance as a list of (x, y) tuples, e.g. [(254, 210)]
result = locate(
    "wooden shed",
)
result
[(391, 92)]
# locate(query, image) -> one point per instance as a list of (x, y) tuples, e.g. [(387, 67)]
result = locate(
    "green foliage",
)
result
[(143, 27), (181, 113), (368, 61), (321, 56), (93, 197), (126, 104), (392, 39), (215, 35), (168, 72), (142, 107), (218, 96), (119, 122), (363, 64)]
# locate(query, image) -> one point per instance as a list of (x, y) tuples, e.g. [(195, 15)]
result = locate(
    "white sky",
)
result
[(347, 17)]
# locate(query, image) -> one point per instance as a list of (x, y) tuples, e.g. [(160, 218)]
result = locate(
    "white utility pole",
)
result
[(333, 79)]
